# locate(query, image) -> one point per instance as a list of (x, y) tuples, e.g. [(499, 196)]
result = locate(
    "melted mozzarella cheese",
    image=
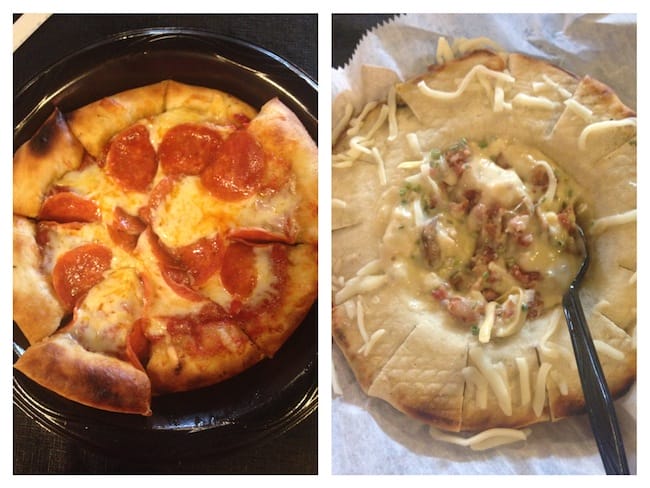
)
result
[(190, 213), (265, 286), (96, 185), (107, 312)]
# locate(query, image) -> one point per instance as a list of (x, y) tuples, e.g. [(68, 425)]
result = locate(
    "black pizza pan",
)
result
[(271, 397)]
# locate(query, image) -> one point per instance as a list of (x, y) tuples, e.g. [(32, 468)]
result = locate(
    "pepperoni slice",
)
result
[(201, 258), (137, 345), (78, 270), (125, 229), (257, 235), (157, 195), (66, 207), (238, 169), (173, 270), (131, 159), (239, 271), (188, 148)]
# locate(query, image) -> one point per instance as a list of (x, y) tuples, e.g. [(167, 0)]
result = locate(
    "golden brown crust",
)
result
[(283, 136), (62, 365), (220, 107), (94, 124), (36, 309), (189, 361), (272, 326), (50, 153)]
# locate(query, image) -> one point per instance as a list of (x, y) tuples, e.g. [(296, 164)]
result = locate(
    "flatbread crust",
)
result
[(404, 348), (116, 313)]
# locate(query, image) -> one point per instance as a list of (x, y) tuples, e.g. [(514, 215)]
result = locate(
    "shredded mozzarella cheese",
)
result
[(499, 102), (608, 350), (357, 122), (360, 143), (564, 93), (524, 380), (539, 397), (414, 144), (483, 440), (381, 169), (494, 379), (359, 285), (442, 95), (383, 115), (376, 335), (485, 329), (600, 225), (371, 268), (549, 195), (534, 102), (579, 109), (600, 126), (392, 114)]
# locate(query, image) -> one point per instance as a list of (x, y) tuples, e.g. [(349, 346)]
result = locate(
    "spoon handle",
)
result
[(598, 400)]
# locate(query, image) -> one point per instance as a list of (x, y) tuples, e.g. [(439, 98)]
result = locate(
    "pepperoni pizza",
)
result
[(165, 239)]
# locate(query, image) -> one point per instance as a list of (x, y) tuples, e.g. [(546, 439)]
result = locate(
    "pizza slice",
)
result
[(193, 341), (36, 307), (95, 359), (96, 123), (49, 154), (275, 285)]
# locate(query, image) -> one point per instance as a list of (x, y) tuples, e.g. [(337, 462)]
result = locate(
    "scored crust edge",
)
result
[(560, 400)]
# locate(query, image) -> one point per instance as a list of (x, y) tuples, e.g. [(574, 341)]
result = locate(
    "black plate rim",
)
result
[(304, 400)]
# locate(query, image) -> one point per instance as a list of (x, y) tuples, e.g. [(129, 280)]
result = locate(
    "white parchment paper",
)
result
[(368, 435)]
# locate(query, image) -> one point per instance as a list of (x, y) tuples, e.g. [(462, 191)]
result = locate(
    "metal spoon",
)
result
[(598, 400)]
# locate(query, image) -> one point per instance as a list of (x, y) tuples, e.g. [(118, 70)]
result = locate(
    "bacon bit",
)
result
[(567, 218), (429, 244), (466, 310), (440, 293), (472, 196), (457, 157), (539, 176), (525, 240), (463, 309), (517, 226), (502, 161), (526, 278), (489, 294)]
